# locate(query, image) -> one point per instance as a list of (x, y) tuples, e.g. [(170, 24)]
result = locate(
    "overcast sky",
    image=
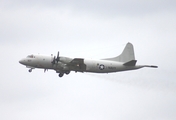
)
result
[(89, 29)]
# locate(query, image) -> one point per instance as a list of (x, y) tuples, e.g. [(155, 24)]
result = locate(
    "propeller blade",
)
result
[(58, 58), (57, 54), (54, 59)]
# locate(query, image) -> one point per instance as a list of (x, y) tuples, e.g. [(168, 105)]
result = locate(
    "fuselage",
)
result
[(63, 65), (97, 66)]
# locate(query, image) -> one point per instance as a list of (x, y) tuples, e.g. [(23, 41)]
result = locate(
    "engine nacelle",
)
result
[(65, 60)]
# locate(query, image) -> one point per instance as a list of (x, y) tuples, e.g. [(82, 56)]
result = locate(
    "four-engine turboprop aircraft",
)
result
[(63, 65)]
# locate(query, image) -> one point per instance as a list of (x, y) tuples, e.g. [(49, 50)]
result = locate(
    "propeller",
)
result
[(53, 62), (56, 59)]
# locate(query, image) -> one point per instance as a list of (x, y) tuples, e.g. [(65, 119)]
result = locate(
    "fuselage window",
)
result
[(30, 56)]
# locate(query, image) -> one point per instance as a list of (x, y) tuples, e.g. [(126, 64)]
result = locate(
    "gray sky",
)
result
[(89, 29)]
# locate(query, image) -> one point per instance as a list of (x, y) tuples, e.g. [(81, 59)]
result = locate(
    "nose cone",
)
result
[(22, 61)]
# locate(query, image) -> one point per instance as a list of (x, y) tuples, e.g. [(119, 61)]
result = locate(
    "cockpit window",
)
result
[(30, 56)]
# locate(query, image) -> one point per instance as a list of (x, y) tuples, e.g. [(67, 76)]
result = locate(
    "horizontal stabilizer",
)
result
[(130, 63)]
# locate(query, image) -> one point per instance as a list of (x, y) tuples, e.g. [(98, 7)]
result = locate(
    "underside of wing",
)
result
[(77, 64)]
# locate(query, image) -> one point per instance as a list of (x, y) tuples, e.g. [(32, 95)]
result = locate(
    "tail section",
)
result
[(126, 56)]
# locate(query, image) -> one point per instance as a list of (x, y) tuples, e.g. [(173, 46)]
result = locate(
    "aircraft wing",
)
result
[(77, 64)]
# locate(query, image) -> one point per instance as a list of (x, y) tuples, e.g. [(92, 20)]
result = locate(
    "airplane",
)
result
[(64, 65)]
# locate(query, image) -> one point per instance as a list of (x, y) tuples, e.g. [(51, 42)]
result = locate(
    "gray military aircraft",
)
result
[(63, 65)]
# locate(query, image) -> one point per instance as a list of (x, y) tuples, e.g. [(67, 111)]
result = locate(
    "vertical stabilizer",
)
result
[(126, 56)]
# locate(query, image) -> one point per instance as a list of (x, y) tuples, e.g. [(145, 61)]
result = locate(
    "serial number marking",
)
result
[(112, 68)]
